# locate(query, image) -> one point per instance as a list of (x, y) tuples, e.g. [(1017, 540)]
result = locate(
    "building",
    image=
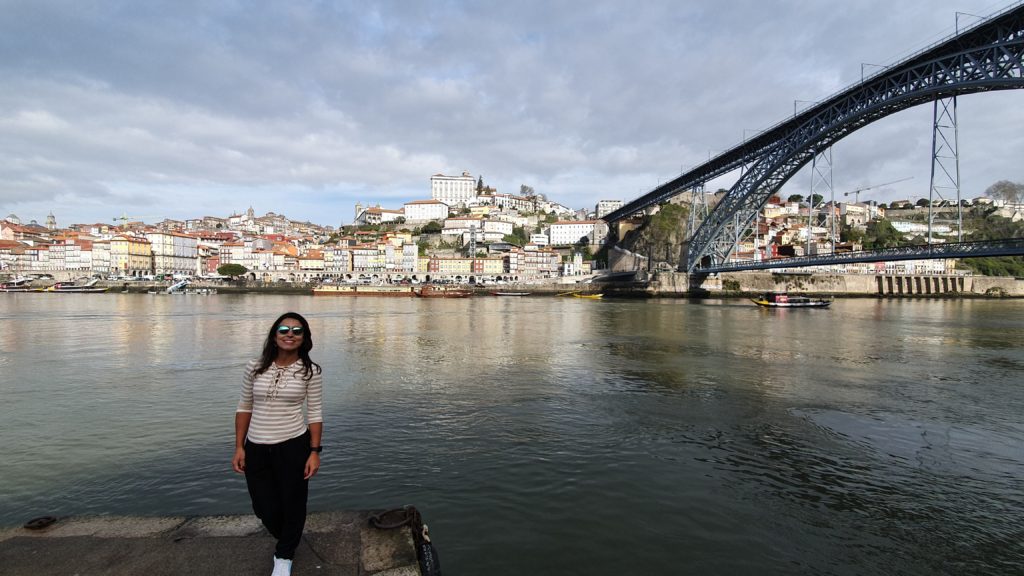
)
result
[(605, 207), (423, 211), (453, 190), (568, 232), (174, 252), (130, 255)]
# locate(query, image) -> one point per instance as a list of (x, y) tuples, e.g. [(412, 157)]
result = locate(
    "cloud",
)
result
[(304, 108)]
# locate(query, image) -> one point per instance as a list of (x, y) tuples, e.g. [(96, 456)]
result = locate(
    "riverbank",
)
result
[(333, 543), (677, 284), (682, 285)]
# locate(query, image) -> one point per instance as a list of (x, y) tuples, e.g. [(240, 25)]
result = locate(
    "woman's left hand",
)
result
[(312, 465)]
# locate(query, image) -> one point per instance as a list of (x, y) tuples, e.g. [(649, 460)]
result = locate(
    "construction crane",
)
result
[(856, 193), (124, 218)]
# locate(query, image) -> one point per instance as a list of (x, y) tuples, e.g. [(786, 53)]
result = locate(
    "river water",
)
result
[(554, 435)]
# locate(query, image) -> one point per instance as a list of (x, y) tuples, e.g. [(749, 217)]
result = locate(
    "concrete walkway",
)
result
[(341, 543)]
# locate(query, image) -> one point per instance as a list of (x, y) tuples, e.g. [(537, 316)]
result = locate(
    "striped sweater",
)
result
[(275, 400)]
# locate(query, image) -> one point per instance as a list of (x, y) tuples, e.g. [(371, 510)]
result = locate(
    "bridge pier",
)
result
[(900, 285)]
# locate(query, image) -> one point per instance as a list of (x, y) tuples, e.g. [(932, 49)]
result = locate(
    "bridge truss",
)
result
[(988, 56)]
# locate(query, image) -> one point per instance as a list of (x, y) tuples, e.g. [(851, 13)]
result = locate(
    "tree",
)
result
[(422, 247), (851, 234), (921, 203), (1008, 192), (517, 237), (232, 270), (525, 190), (795, 198), (432, 227), (480, 184), (816, 199), (882, 234)]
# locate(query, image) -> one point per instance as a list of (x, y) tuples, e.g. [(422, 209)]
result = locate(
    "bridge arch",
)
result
[(986, 58)]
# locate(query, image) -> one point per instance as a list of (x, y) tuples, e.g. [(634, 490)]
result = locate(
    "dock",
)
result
[(334, 543)]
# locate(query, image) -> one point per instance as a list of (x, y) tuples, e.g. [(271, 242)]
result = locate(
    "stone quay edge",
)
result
[(334, 543)]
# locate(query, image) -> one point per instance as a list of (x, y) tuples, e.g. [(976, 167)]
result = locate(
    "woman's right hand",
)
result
[(238, 462)]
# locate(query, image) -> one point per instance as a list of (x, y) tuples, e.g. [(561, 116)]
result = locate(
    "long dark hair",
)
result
[(270, 347)]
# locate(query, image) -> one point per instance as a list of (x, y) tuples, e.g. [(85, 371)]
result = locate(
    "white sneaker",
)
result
[(282, 567)]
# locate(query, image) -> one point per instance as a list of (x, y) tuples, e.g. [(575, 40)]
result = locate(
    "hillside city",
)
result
[(465, 231)]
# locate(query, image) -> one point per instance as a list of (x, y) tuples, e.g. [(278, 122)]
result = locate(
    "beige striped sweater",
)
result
[(275, 400)]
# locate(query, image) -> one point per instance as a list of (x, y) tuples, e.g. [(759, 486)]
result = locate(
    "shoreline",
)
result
[(682, 285)]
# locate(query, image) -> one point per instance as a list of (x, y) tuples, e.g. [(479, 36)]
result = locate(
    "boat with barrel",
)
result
[(434, 291), (784, 300), (387, 290)]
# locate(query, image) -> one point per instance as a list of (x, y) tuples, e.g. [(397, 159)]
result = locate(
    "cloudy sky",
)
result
[(188, 108)]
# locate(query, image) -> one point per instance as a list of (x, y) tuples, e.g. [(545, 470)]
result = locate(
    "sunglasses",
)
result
[(295, 330)]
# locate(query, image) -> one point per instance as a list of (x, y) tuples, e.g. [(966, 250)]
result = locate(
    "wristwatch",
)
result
[(317, 449)]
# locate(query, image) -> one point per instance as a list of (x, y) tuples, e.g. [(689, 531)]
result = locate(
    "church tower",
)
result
[(51, 222)]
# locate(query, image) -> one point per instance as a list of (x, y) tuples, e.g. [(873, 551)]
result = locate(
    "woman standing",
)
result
[(274, 447)]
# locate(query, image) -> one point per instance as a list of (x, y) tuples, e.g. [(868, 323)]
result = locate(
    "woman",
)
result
[(274, 447)]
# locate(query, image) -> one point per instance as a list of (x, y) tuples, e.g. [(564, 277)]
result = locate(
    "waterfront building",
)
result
[(173, 252), (369, 258), (457, 191), (423, 211), (130, 255)]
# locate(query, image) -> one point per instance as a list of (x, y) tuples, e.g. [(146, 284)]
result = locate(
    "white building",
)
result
[(566, 232), (425, 211), (453, 190), (605, 207), (174, 253)]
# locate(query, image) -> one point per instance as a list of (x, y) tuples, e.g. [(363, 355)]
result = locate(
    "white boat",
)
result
[(18, 284)]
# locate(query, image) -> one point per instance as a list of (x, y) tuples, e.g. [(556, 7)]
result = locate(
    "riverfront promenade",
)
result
[(334, 543)]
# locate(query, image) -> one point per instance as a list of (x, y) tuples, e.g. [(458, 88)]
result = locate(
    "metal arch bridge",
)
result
[(988, 56)]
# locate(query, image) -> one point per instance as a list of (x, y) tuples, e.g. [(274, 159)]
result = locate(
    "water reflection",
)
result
[(549, 436)]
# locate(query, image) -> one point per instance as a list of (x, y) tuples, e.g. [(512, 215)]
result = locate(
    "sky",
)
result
[(189, 108)]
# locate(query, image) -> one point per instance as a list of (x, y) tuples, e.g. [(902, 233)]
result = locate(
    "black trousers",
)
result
[(274, 475)]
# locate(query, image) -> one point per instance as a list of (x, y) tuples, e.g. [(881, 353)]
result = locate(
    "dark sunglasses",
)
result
[(295, 330)]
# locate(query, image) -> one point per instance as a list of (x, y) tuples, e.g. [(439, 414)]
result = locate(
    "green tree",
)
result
[(881, 234), (551, 218), (432, 227), (795, 198), (921, 203), (232, 270), (422, 246), (851, 234)]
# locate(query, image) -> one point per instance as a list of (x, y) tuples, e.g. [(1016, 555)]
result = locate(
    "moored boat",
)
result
[(360, 290), (578, 294), (432, 291), (88, 287), (783, 300), (19, 284), (510, 293)]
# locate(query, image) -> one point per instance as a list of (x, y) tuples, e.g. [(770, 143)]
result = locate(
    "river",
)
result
[(554, 435)]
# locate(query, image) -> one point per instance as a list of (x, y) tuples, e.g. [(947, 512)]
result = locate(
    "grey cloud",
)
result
[(348, 101)]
